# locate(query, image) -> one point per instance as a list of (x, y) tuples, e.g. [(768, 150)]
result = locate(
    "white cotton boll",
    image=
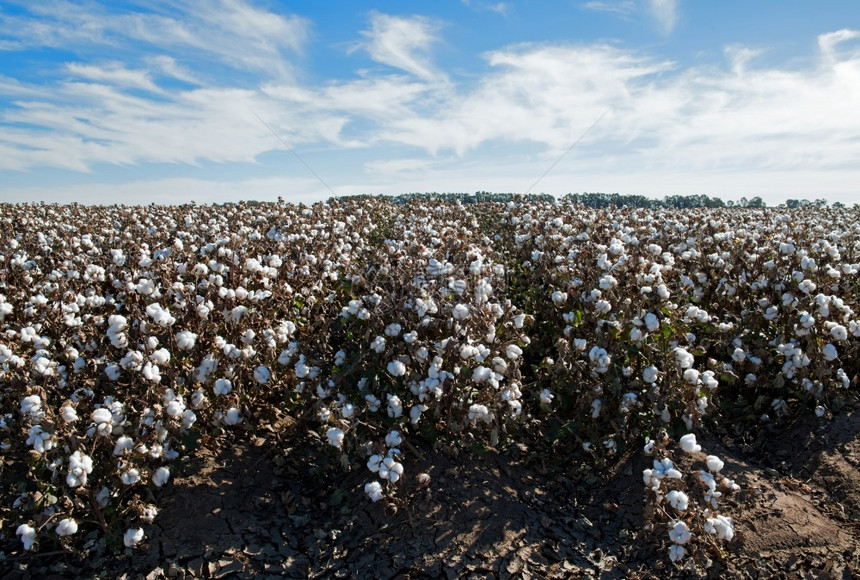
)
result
[(66, 527), (676, 553), (232, 416), (188, 418), (396, 368), (649, 374), (688, 443), (123, 444), (393, 439), (335, 437), (347, 411), (69, 414), (559, 297), (132, 537), (391, 470), (262, 374), (393, 329), (839, 332), (31, 405), (546, 397), (678, 500), (519, 319), (80, 466), (395, 407), (415, 413), (374, 463), (339, 358), (721, 526), (160, 477), (222, 386), (708, 380), (113, 371), (481, 374), (373, 491), (28, 535), (186, 339), (679, 533), (151, 372), (715, 464), (652, 323), (160, 357), (460, 312), (691, 376), (175, 408), (829, 352), (513, 351), (378, 344), (683, 358), (635, 334), (130, 477)]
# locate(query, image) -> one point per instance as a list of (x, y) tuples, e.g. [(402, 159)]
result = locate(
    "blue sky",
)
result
[(167, 101)]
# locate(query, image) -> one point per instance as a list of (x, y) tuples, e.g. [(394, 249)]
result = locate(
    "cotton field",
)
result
[(133, 335)]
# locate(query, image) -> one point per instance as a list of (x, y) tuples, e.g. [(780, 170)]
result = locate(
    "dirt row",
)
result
[(266, 508)]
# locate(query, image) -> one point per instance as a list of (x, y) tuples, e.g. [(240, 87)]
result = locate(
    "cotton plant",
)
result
[(686, 505)]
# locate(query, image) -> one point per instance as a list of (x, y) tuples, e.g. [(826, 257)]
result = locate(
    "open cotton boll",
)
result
[(28, 535), (160, 357), (390, 470), (396, 368), (678, 500), (460, 312), (373, 491), (679, 533), (335, 437), (721, 526), (676, 553), (546, 397), (262, 374), (132, 537), (69, 414), (691, 376), (32, 406), (130, 477), (715, 464), (66, 527), (683, 358), (688, 443), (393, 439), (513, 351), (223, 386), (185, 340), (649, 374), (160, 477), (232, 416)]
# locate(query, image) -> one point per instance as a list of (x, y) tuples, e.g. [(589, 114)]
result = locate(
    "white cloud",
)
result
[(665, 12), (623, 9), (113, 73), (402, 43)]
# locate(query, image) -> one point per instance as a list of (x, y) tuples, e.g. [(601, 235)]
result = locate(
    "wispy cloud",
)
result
[(665, 12), (622, 8), (402, 43)]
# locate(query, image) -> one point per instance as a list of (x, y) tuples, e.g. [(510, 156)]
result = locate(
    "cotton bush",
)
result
[(126, 332)]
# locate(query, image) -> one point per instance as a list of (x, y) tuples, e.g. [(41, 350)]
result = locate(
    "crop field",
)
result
[(362, 388)]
